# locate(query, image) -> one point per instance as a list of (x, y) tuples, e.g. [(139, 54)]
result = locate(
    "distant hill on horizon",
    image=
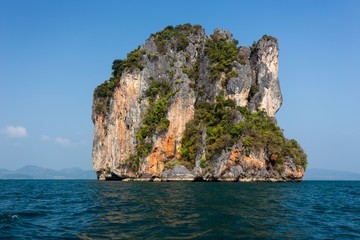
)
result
[(325, 174), (36, 172)]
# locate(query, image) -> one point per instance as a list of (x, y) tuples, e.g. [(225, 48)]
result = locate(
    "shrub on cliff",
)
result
[(256, 131), (264, 37), (102, 94), (222, 53), (175, 37), (154, 121), (132, 62), (105, 89), (216, 121), (259, 131)]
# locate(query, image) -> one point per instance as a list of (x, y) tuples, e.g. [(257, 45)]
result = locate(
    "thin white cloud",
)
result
[(15, 131), (44, 137), (63, 141)]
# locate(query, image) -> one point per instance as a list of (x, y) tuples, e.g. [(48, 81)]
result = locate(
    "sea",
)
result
[(91, 209)]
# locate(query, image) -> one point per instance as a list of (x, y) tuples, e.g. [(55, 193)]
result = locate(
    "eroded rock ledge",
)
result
[(190, 107), (179, 173)]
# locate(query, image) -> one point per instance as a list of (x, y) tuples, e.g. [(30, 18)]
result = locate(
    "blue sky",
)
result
[(54, 53)]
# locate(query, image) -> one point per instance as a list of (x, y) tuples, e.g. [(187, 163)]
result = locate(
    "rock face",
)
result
[(186, 106)]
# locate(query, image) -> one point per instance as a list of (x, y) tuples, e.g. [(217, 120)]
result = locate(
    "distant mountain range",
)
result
[(35, 172), (323, 174)]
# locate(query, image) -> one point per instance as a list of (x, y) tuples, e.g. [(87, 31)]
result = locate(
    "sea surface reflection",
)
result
[(179, 210)]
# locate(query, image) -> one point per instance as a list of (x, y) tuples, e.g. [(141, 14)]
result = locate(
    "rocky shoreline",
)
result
[(155, 179), (180, 173)]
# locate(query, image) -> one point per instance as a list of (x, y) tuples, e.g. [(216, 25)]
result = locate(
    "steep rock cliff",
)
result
[(187, 106)]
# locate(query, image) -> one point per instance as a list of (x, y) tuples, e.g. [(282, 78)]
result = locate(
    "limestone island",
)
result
[(190, 107)]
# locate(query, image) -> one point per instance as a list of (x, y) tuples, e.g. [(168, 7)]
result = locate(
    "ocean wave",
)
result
[(8, 217)]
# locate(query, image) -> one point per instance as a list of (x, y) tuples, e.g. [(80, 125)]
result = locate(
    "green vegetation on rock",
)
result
[(104, 92), (193, 72), (268, 38), (253, 90), (225, 125), (264, 37), (259, 131), (132, 62), (177, 37), (214, 120), (222, 53), (154, 121), (172, 163)]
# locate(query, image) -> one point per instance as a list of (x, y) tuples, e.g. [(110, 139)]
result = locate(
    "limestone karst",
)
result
[(186, 106)]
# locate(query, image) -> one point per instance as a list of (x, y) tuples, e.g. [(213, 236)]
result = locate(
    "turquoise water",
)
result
[(66, 209)]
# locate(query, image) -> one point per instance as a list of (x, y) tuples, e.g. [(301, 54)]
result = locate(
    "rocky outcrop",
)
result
[(265, 70), (180, 108)]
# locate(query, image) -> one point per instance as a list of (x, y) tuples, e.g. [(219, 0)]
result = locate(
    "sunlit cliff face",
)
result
[(143, 112)]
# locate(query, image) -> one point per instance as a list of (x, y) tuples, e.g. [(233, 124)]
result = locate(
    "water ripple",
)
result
[(8, 217), (117, 210)]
